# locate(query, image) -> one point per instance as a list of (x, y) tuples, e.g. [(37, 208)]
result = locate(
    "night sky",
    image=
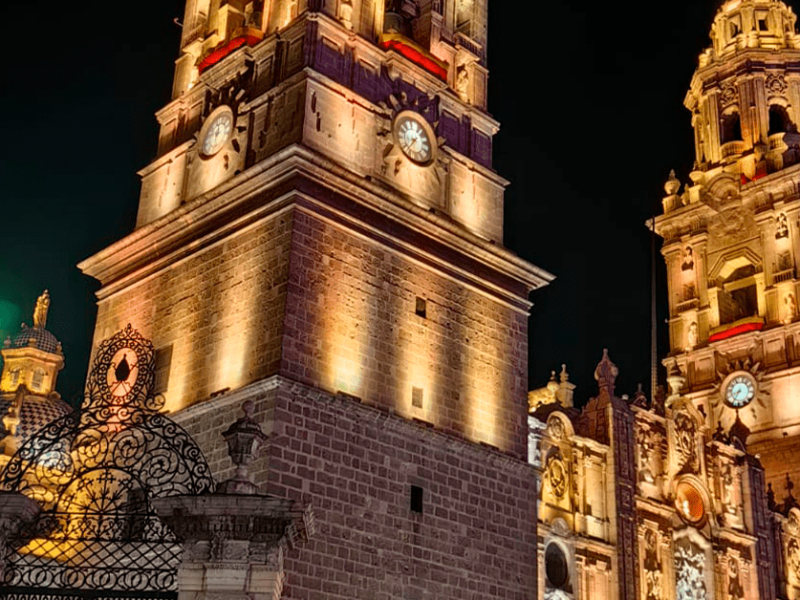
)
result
[(590, 100)]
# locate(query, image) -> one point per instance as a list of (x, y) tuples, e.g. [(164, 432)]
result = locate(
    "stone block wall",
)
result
[(221, 309), (475, 536), (354, 325)]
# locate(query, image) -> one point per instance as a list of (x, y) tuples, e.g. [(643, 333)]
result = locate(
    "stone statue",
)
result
[(691, 337), (40, 312), (781, 226), (789, 308), (688, 259), (735, 589)]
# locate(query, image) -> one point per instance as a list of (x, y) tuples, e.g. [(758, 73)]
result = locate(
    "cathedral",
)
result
[(309, 368)]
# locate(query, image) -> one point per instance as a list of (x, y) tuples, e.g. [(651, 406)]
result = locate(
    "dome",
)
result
[(37, 337), (37, 411)]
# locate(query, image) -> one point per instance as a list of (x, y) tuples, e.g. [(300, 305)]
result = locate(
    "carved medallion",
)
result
[(776, 84)]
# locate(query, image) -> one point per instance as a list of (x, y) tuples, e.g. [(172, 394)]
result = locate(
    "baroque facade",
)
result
[(689, 495)]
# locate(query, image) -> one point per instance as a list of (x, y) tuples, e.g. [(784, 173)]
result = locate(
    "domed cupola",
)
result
[(31, 362)]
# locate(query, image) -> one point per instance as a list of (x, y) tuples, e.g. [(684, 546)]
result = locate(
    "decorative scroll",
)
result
[(94, 473)]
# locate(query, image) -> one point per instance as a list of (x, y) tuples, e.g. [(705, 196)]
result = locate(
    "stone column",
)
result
[(16, 511)]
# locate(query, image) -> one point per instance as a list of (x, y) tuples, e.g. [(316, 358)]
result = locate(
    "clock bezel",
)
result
[(426, 127), (209, 122), (729, 381)]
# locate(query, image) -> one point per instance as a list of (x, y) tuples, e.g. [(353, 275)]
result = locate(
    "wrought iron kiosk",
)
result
[(80, 501)]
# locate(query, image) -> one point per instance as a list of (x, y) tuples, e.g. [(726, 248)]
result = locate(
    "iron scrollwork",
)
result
[(94, 473)]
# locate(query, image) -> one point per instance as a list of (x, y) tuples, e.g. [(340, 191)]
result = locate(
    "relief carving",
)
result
[(556, 475), (690, 567), (685, 439), (729, 94), (735, 589), (647, 445), (653, 574), (776, 84)]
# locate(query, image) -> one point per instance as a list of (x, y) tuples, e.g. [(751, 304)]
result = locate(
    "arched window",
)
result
[(779, 121), (731, 128)]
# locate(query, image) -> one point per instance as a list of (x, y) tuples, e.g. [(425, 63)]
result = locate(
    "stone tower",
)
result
[(731, 237), (321, 233)]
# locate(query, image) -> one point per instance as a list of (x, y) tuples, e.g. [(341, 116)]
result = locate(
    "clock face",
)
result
[(414, 135), (740, 390), (216, 132)]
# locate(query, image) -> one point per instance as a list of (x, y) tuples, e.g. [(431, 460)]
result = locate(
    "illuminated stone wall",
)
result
[(356, 465), (298, 295), (221, 310)]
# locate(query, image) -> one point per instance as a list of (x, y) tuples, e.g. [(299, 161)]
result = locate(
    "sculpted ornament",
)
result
[(555, 429), (735, 589), (685, 430), (776, 84), (557, 476), (646, 444), (653, 575), (690, 567), (729, 94), (793, 556)]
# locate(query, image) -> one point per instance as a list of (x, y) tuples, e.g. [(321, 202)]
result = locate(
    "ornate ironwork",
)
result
[(94, 472)]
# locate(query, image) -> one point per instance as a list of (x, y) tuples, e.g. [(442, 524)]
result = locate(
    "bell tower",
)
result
[(321, 233), (732, 237)]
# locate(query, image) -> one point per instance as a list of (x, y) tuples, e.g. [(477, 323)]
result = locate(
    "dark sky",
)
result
[(589, 95)]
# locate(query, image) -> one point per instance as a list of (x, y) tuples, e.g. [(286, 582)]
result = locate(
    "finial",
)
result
[(673, 184), (244, 439), (40, 312), (606, 374), (564, 374)]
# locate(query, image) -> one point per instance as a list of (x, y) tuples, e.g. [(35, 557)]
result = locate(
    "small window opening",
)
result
[(38, 379), (14, 376), (779, 121), (163, 365), (421, 308), (731, 129), (416, 499), (416, 397), (739, 297), (762, 24), (735, 29)]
